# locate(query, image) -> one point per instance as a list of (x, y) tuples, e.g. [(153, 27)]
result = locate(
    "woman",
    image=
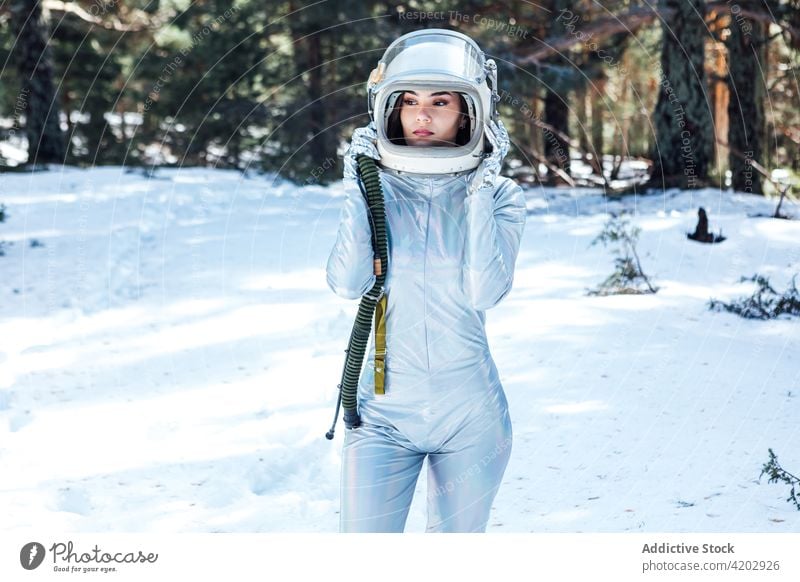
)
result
[(454, 233)]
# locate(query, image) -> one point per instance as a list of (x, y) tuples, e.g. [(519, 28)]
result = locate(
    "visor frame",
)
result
[(449, 151)]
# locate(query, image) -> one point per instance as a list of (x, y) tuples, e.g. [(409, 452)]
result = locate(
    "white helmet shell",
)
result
[(433, 58)]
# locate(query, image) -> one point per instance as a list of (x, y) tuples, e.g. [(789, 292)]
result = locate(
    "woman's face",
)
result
[(430, 118)]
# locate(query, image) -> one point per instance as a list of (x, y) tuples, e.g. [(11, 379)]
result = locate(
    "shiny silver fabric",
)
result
[(451, 257), (362, 142), (489, 169)]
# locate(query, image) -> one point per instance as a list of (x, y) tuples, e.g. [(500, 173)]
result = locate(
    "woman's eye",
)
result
[(408, 101)]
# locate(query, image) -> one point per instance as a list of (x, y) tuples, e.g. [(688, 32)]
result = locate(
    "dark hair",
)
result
[(394, 128)]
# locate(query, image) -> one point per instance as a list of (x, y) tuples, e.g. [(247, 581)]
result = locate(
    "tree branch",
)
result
[(143, 20), (632, 21), (594, 31)]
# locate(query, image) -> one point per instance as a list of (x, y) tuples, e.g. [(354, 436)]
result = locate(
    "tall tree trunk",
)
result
[(308, 125), (747, 66), (46, 142), (720, 101), (556, 150), (582, 115), (319, 149), (597, 121), (534, 135), (623, 129), (682, 117), (556, 100)]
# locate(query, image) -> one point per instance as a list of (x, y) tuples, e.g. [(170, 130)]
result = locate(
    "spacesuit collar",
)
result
[(434, 179)]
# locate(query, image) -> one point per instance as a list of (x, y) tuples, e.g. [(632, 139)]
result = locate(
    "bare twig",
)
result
[(143, 21)]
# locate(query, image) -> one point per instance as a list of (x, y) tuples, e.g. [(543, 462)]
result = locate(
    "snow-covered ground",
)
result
[(169, 359)]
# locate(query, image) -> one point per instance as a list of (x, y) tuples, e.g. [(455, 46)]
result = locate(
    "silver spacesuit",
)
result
[(451, 257), (454, 227)]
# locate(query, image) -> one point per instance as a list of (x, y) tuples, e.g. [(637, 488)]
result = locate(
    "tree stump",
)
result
[(701, 233)]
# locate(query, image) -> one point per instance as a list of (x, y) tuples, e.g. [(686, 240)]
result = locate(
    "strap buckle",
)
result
[(376, 298)]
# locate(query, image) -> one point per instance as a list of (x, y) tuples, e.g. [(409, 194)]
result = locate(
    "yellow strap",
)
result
[(380, 344)]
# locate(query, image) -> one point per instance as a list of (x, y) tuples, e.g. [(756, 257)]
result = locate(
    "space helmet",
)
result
[(433, 58)]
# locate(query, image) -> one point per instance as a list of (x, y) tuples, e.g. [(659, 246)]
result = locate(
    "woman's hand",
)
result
[(364, 142), (488, 170)]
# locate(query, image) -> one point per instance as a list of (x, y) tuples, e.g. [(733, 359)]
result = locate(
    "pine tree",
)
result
[(87, 64), (200, 85), (32, 57), (322, 95)]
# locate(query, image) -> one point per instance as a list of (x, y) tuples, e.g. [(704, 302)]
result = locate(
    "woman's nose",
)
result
[(422, 115)]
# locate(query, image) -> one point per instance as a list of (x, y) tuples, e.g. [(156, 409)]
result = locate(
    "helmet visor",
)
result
[(440, 53), (457, 108), (455, 131)]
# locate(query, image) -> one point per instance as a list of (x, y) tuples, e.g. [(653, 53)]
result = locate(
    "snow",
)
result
[(169, 360), (14, 150)]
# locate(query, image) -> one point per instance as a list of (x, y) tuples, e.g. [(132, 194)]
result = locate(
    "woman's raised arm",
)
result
[(350, 270), (495, 222)]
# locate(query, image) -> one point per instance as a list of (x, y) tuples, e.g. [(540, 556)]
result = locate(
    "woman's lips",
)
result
[(423, 132)]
